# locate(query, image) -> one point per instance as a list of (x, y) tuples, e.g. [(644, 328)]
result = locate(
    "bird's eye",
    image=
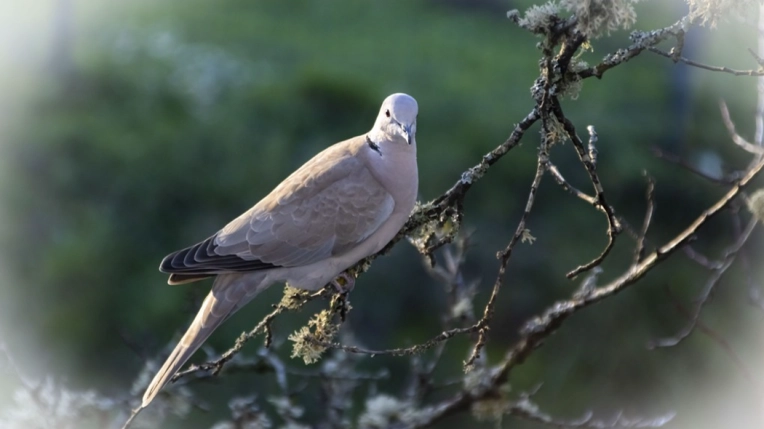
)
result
[(387, 113)]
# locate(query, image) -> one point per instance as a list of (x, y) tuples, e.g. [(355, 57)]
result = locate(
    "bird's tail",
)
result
[(229, 293)]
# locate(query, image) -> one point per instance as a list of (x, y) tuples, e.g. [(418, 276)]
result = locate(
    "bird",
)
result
[(344, 204)]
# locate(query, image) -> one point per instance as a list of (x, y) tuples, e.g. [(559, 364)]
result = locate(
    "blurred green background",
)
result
[(131, 130)]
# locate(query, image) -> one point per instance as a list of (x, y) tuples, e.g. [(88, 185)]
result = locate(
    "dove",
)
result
[(343, 205)]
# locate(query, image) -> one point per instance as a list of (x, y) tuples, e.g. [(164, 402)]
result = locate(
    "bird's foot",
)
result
[(344, 283)]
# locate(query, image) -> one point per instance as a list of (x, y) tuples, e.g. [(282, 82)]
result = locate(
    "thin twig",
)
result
[(402, 351), (755, 56), (706, 66), (715, 336), (555, 172), (724, 180), (504, 256), (700, 258), (736, 138), (557, 176), (614, 227), (753, 289), (641, 41), (711, 284), (640, 250)]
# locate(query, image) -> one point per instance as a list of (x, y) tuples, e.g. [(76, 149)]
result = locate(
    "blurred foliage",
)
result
[(161, 122)]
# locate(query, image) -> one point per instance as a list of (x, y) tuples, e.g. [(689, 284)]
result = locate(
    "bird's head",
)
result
[(397, 119)]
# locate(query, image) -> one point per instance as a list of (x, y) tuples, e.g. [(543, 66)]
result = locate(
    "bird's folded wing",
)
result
[(325, 208)]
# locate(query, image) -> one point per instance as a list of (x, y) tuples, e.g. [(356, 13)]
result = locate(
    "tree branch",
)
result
[(614, 227), (706, 66), (729, 257)]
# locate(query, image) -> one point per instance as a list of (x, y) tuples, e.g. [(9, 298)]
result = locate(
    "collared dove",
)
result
[(345, 204)]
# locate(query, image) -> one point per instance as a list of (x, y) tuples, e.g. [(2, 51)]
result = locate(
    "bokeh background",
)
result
[(131, 129)]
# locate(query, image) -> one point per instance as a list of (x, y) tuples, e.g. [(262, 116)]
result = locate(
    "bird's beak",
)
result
[(407, 133)]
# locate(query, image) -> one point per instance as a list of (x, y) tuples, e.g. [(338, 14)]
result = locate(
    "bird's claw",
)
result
[(343, 283)]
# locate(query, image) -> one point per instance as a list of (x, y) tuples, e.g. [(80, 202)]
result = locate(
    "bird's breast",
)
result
[(397, 172)]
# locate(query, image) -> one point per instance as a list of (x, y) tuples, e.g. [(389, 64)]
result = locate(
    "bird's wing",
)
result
[(325, 208)]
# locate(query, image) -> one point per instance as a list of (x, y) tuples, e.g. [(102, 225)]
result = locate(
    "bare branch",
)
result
[(711, 283), (557, 176), (736, 138), (756, 57), (506, 254), (701, 259), (570, 188), (715, 336), (614, 227), (706, 66), (725, 180), (640, 250)]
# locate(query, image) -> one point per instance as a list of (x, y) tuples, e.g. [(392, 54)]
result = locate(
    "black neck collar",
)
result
[(373, 146)]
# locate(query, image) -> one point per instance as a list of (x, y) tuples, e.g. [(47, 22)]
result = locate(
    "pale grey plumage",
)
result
[(346, 203)]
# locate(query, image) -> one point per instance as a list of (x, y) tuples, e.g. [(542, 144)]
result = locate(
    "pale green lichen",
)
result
[(293, 297), (537, 17), (526, 236), (598, 17), (306, 341), (443, 229), (573, 81), (555, 131), (572, 87), (594, 17)]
